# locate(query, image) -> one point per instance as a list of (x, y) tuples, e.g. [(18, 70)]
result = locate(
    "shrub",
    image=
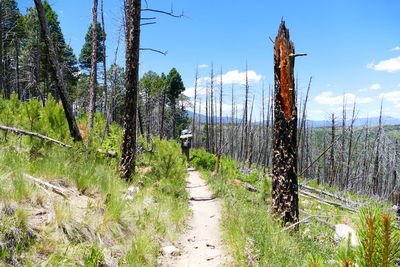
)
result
[(169, 168), (203, 160)]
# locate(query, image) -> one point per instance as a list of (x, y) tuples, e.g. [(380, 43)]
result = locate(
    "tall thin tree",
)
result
[(93, 70), (56, 69), (194, 106), (128, 157)]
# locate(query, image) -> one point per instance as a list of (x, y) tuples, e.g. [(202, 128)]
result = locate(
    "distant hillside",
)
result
[(316, 123)]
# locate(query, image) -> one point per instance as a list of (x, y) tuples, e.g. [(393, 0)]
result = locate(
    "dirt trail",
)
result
[(201, 244)]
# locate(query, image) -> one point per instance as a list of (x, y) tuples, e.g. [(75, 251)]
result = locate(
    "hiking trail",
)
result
[(201, 244)]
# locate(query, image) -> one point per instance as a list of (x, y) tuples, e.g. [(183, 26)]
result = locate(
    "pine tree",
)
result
[(86, 51), (174, 90)]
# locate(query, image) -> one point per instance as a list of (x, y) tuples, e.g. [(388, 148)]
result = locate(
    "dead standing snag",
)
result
[(284, 149)]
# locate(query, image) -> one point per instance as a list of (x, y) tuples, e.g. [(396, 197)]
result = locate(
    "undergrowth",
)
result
[(103, 220), (255, 238)]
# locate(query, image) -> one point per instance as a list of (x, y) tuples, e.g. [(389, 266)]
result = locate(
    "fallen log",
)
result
[(56, 189), (250, 187), (324, 201), (19, 131), (111, 154), (321, 192), (317, 218)]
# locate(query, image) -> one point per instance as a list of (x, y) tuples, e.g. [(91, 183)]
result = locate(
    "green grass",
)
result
[(97, 222), (255, 238)]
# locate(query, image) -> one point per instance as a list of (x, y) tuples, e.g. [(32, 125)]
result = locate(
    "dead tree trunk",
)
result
[(332, 173), (212, 130), (194, 107), (376, 173), (1, 49), (104, 60), (128, 157), (284, 147), (93, 71), (55, 67)]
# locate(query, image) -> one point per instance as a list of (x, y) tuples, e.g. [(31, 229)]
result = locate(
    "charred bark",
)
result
[(128, 157), (284, 160), (93, 71)]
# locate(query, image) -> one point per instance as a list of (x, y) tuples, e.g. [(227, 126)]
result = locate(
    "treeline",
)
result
[(25, 70), (359, 159)]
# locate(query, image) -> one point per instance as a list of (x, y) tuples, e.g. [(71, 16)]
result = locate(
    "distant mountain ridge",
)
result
[(387, 120)]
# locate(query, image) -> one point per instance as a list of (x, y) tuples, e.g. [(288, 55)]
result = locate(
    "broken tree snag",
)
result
[(284, 180)]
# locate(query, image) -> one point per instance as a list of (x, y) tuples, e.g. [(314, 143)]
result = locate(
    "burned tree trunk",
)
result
[(93, 71), (284, 147), (194, 108), (56, 69), (128, 157)]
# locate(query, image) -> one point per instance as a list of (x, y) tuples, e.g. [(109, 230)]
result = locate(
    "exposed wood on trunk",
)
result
[(128, 157), (284, 160), (55, 67), (93, 70)]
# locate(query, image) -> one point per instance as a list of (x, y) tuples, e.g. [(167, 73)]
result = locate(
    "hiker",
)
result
[(186, 143)]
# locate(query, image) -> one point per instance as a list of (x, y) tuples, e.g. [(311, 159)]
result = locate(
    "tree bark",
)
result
[(93, 70), (164, 96), (59, 79), (284, 179), (104, 60), (128, 157), (194, 108), (1, 48)]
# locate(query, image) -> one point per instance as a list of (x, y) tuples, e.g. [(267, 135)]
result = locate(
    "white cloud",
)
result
[(389, 65), (397, 48), (375, 86), (327, 98), (189, 92), (203, 66), (236, 77), (391, 97)]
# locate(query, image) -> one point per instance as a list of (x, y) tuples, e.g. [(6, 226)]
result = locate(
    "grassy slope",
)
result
[(256, 239), (103, 220)]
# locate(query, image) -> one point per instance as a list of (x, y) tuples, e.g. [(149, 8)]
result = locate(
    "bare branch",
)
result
[(155, 50), (148, 23), (297, 55), (164, 12)]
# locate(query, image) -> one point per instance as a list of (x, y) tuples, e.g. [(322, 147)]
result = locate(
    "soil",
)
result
[(201, 244)]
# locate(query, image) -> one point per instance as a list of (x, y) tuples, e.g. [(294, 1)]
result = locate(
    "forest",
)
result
[(93, 173)]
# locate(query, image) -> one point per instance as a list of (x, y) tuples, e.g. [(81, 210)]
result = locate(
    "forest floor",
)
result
[(201, 244)]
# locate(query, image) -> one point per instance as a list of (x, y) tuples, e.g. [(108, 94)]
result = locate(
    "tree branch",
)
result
[(164, 12), (148, 23), (155, 50)]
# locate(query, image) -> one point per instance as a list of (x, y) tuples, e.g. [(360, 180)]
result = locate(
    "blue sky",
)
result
[(353, 46)]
